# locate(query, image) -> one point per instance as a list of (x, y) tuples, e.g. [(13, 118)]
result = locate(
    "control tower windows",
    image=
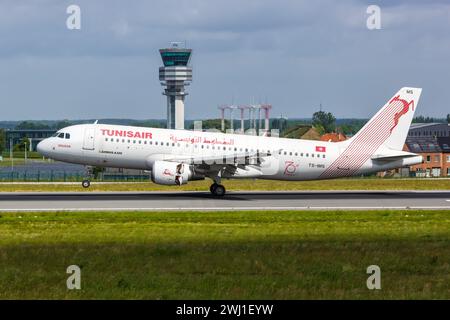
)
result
[(175, 58)]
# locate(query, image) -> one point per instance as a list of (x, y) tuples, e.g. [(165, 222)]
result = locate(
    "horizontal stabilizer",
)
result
[(393, 155)]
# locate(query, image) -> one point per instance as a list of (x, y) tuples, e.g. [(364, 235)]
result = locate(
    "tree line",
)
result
[(322, 121)]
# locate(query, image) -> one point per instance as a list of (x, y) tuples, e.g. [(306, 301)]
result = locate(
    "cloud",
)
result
[(296, 54)]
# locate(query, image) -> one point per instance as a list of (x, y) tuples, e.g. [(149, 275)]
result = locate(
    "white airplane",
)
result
[(175, 157)]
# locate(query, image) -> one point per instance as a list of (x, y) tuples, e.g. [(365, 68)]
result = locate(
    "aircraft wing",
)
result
[(225, 159)]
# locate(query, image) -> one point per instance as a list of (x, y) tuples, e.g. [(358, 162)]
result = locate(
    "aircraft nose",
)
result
[(42, 147)]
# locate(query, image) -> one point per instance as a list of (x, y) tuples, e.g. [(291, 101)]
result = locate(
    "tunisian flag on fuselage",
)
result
[(321, 149)]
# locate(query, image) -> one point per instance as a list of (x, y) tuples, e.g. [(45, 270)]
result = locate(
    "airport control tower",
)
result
[(175, 75)]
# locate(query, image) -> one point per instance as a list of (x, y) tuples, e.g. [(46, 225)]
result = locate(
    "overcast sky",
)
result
[(293, 54)]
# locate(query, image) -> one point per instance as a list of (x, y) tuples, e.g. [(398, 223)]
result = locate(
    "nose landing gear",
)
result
[(86, 183)]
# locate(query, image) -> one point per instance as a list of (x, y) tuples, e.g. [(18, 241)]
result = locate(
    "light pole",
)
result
[(25, 155), (11, 153)]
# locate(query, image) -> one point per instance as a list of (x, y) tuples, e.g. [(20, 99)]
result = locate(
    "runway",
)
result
[(157, 201)]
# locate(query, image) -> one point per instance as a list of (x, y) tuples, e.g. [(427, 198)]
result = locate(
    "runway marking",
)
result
[(223, 208)]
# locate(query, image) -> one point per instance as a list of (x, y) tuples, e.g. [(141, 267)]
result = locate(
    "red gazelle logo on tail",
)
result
[(402, 112)]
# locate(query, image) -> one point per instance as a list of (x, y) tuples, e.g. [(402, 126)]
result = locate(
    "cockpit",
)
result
[(61, 135)]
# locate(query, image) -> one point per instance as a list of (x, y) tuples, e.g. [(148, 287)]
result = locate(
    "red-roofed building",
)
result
[(333, 137)]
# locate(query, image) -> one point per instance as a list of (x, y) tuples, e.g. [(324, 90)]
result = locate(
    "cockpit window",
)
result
[(61, 135), (67, 135)]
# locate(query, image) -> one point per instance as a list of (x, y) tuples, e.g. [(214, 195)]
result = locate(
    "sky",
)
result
[(293, 54)]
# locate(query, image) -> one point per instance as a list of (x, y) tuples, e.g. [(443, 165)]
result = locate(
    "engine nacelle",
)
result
[(170, 173)]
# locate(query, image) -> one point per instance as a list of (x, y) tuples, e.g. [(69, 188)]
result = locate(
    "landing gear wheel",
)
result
[(218, 190), (212, 187), (86, 183)]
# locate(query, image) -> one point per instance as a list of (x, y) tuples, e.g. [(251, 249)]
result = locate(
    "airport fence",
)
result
[(63, 176)]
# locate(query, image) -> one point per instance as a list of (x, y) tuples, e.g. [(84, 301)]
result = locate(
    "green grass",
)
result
[(7, 162), (226, 255), (246, 185), (21, 154)]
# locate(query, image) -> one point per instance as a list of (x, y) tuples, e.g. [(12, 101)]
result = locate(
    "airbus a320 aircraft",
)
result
[(175, 157)]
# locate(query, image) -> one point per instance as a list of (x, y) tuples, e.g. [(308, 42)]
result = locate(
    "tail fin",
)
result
[(389, 127)]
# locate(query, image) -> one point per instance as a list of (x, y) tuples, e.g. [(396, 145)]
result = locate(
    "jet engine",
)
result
[(170, 173)]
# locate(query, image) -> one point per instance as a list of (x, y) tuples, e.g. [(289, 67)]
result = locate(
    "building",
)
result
[(174, 76), (418, 130), (432, 142), (436, 156), (302, 131), (333, 137), (14, 137)]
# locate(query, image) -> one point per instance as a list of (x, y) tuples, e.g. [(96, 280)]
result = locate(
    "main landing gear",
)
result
[(217, 190)]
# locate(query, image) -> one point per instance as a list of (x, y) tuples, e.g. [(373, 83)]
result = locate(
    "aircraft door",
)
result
[(89, 138), (344, 165)]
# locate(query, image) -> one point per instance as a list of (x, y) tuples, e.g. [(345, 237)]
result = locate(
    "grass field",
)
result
[(7, 162), (226, 255), (246, 185)]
